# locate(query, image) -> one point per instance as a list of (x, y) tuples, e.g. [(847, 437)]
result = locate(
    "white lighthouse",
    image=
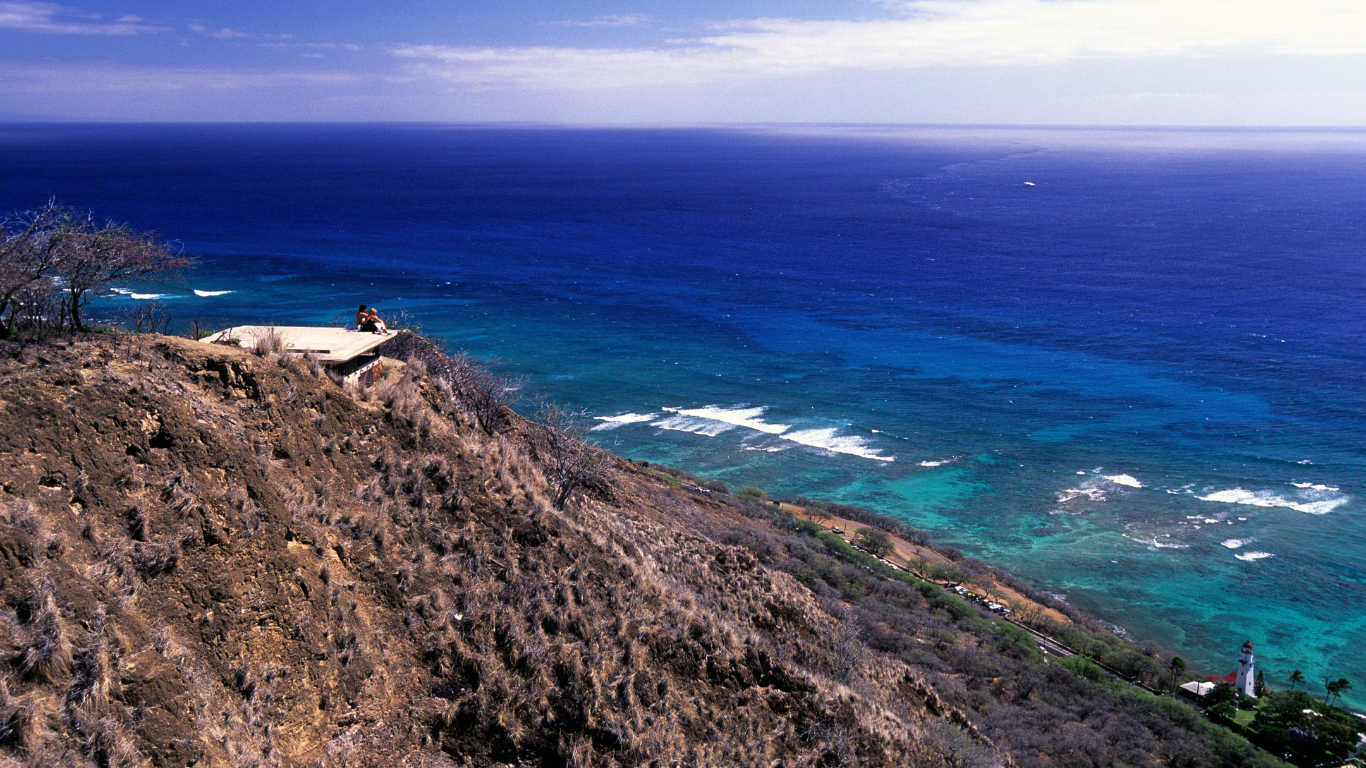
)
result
[(1247, 676)]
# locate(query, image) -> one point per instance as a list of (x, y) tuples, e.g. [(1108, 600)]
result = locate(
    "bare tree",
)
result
[(92, 256), (27, 255), (570, 463), (149, 317), (480, 391), (56, 259), (956, 748), (817, 515), (835, 742)]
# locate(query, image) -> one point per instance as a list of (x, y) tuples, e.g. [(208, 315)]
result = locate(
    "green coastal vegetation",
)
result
[(226, 556), (1290, 724)]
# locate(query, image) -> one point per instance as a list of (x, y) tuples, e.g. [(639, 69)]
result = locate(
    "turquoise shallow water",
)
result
[(1135, 382)]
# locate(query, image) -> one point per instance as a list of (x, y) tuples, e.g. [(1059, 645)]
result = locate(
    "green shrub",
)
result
[(877, 541), (755, 495)]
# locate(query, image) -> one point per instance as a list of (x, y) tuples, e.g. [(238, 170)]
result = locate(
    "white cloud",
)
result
[(99, 78), (573, 67), (929, 33), (225, 33), (54, 19), (632, 20)]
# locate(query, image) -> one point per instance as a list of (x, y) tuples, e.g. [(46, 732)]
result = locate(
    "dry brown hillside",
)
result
[(217, 559)]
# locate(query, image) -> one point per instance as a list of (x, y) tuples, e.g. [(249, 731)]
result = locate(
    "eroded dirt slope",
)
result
[(213, 558)]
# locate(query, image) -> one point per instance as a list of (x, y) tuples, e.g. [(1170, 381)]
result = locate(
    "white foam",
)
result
[(713, 420), (938, 462), (738, 417), (1098, 488), (826, 439), (612, 422), (138, 296), (1315, 486), (628, 418), (1236, 543), (1155, 543), (1093, 493), (1252, 556), (206, 294), (1311, 500), (705, 427)]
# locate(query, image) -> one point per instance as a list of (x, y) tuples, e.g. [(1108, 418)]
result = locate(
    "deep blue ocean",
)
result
[(1124, 364)]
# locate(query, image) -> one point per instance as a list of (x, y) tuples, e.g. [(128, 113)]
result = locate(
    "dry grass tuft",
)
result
[(88, 690), (45, 651), (268, 343), (111, 746), (26, 723)]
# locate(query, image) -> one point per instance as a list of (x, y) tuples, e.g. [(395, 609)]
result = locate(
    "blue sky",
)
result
[(1070, 62)]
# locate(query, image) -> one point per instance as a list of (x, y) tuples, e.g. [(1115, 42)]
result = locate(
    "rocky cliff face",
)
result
[(214, 558)]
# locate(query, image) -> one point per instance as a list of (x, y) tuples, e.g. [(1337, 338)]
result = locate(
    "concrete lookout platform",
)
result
[(353, 355)]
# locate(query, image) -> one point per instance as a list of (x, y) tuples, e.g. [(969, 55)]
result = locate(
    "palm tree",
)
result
[(1178, 665), (1296, 677), (1335, 688)]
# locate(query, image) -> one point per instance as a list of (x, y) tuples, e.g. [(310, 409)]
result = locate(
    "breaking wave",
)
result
[(1313, 500), (704, 427), (712, 420), (139, 296), (826, 439), (938, 462), (1098, 488), (1156, 542), (612, 422), (736, 417)]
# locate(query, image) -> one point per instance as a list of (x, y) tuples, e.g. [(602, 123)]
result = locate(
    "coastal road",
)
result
[(1046, 643)]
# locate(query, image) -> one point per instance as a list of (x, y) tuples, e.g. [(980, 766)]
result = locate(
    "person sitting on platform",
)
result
[(373, 324)]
